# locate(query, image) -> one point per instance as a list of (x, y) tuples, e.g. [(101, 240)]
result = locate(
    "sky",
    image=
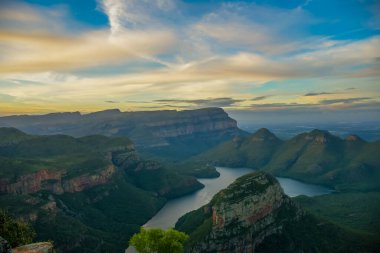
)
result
[(275, 57)]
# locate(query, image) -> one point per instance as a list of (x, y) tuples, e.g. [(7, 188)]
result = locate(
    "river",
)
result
[(174, 209)]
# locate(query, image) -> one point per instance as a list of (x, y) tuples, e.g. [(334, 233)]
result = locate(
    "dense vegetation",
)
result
[(358, 212), (315, 157), (16, 232), (100, 217), (156, 240)]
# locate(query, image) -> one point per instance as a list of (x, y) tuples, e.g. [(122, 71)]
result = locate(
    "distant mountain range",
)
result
[(316, 157), (84, 193), (84, 183), (168, 134)]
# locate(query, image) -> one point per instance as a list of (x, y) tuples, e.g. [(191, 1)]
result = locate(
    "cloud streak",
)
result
[(152, 51), (312, 94), (344, 100)]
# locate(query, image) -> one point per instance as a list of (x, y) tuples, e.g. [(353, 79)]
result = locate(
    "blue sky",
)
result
[(257, 56)]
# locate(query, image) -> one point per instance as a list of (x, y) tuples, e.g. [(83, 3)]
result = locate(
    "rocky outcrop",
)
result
[(192, 122), (83, 182), (39, 247), (29, 183), (146, 129), (253, 215), (242, 216), (55, 182)]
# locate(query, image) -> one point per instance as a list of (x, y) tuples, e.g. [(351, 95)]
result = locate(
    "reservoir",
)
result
[(174, 209)]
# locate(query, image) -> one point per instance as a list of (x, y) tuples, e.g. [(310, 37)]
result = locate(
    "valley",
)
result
[(92, 193)]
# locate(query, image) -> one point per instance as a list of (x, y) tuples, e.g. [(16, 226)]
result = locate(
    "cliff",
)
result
[(254, 215), (94, 192), (54, 181), (39, 247), (160, 132)]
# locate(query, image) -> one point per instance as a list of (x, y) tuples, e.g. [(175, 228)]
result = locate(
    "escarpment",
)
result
[(94, 192), (169, 133)]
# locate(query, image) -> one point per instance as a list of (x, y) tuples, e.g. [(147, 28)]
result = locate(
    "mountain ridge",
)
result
[(165, 133), (94, 192), (316, 157)]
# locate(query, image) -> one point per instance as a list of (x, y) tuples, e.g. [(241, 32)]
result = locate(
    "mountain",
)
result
[(316, 157), (252, 151), (254, 215), (323, 158), (87, 194), (172, 134)]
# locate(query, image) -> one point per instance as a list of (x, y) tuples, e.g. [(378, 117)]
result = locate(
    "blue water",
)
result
[(174, 209)]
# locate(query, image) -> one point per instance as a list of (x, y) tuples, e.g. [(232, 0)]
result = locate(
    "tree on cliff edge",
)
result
[(16, 232), (156, 240)]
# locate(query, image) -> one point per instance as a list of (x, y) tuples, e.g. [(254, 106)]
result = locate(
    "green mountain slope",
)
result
[(322, 158), (355, 211), (316, 157), (87, 194), (252, 151)]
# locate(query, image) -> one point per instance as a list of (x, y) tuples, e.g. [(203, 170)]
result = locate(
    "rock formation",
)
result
[(39, 247), (146, 129), (254, 215)]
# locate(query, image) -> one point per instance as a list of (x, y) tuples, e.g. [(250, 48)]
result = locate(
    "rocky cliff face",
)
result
[(254, 215), (243, 215), (55, 182), (154, 129), (39, 247)]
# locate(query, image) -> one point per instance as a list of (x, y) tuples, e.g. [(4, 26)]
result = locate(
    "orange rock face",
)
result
[(40, 247), (36, 182)]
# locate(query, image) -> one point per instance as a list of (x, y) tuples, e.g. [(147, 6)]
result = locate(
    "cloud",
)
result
[(210, 102), (311, 94), (7, 98), (40, 41), (132, 14), (47, 52), (233, 25), (155, 50), (344, 100), (281, 105), (259, 98)]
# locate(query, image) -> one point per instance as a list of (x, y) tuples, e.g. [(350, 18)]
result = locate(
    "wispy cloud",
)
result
[(259, 98), (211, 102), (312, 94), (136, 14), (220, 57), (344, 100)]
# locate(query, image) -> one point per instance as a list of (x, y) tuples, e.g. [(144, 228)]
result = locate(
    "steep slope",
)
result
[(88, 194), (316, 157), (254, 215), (358, 211), (320, 157), (165, 133), (252, 151)]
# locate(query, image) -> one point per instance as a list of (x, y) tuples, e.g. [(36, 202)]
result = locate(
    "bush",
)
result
[(16, 232), (157, 240)]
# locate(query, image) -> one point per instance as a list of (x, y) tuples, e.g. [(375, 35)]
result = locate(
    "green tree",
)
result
[(16, 232), (156, 240)]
